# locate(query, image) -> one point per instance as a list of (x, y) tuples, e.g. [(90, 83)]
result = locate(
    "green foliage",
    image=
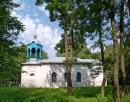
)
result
[(12, 64), (86, 94), (81, 51), (44, 55), (21, 54), (109, 57), (66, 13), (89, 94), (89, 20), (10, 27)]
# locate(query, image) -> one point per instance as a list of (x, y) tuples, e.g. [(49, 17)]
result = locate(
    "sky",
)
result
[(36, 21)]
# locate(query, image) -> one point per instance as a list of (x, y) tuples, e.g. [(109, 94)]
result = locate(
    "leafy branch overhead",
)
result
[(10, 27)]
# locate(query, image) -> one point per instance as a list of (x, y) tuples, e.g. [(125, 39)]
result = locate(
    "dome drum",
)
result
[(34, 50)]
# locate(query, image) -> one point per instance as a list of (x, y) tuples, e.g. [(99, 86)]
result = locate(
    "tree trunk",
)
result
[(103, 65), (116, 54), (66, 44), (102, 56), (116, 63), (129, 6), (68, 65), (69, 82), (122, 48)]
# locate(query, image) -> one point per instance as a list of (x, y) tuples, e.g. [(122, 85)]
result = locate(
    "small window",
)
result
[(38, 53), (54, 77), (28, 53), (32, 74), (24, 71), (78, 77), (33, 53), (65, 76)]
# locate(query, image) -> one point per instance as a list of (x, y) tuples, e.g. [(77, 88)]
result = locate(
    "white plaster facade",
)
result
[(39, 73)]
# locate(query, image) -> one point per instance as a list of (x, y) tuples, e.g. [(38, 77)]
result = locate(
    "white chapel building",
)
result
[(51, 73)]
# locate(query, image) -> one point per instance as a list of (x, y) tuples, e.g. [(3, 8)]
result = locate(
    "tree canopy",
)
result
[(10, 27)]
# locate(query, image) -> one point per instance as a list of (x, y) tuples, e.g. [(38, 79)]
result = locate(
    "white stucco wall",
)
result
[(42, 76)]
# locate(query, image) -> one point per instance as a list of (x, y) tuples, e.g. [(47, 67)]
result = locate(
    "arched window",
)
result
[(54, 77), (65, 76), (78, 77), (28, 53), (33, 53), (24, 71), (32, 74), (38, 53)]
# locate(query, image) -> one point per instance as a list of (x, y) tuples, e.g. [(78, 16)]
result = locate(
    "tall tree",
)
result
[(63, 12), (10, 27), (95, 19), (100, 34), (122, 62), (116, 53)]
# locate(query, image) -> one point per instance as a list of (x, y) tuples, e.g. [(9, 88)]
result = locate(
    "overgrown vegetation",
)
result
[(87, 94)]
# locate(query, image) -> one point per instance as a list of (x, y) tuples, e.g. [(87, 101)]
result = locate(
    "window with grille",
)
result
[(54, 77), (78, 77)]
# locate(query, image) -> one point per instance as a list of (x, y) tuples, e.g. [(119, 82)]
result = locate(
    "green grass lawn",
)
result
[(88, 94)]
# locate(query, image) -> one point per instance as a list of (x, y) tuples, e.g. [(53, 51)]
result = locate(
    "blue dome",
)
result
[(34, 50)]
